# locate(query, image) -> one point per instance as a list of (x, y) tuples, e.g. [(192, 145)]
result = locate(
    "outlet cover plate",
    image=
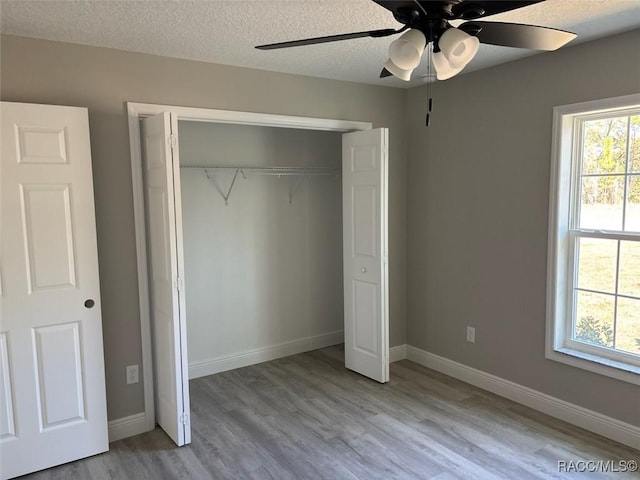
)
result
[(471, 334), (132, 374)]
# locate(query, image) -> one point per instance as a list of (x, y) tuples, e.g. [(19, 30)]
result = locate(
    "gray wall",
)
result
[(478, 202), (478, 192), (40, 71), (259, 271)]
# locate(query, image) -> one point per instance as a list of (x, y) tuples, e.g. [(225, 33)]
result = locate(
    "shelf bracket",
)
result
[(225, 196)]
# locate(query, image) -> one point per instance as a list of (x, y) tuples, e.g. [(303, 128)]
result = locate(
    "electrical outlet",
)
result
[(471, 334), (132, 374)]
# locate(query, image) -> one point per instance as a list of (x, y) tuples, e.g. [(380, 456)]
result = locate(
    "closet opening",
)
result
[(262, 237), (258, 236)]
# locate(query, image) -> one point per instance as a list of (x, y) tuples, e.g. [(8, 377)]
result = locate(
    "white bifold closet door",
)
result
[(52, 389), (365, 251), (163, 212)]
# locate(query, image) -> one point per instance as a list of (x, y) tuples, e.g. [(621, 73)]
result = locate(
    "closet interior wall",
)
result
[(260, 271)]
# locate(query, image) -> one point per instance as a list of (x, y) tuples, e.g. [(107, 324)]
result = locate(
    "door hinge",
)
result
[(173, 141), (184, 418), (179, 284)]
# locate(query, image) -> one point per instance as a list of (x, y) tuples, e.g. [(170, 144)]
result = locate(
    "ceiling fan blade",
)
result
[(490, 7), (385, 73), (331, 38), (519, 35)]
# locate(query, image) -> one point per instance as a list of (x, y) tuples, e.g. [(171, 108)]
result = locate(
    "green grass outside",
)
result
[(597, 271)]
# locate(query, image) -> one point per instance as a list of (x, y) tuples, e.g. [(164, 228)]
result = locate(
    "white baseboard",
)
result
[(588, 419), (127, 426), (397, 353), (264, 354)]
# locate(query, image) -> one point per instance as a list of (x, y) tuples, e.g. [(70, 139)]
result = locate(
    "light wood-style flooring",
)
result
[(307, 417)]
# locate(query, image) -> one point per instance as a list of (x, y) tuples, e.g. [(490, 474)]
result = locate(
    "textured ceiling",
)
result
[(225, 31)]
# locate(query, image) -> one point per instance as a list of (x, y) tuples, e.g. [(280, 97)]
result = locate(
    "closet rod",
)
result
[(301, 172), (278, 171)]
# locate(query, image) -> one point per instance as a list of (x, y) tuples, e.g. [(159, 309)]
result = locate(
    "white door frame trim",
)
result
[(137, 111)]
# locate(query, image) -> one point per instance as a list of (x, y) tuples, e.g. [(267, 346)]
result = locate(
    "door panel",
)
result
[(46, 220), (57, 353), (7, 429), (52, 390), (365, 221), (364, 179), (165, 263), (365, 317), (41, 145)]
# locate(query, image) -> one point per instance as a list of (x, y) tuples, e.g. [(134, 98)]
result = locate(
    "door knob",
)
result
[(364, 270), (89, 303)]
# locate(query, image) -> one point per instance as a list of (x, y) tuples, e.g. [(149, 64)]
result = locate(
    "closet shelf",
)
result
[(301, 172)]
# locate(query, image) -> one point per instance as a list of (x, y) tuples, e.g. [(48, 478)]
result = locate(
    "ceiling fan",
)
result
[(427, 21)]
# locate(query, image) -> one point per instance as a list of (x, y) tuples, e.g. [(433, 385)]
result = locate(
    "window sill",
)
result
[(593, 363)]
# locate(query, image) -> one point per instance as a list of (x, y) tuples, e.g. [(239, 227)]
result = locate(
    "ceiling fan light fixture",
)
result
[(458, 47), (444, 70), (406, 51), (396, 71)]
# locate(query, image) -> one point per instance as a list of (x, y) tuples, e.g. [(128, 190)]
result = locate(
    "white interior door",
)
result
[(52, 388), (161, 171), (366, 291)]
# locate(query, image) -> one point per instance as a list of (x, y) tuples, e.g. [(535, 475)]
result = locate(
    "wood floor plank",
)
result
[(307, 417)]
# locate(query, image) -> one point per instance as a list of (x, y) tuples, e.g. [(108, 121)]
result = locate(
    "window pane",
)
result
[(597, 264), (634, 148), (594, 318), (629, 275), (605, 145), (601, 203), (628, 325), (632, 216)]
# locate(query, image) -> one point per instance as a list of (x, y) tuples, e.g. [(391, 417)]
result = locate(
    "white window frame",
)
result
[(567, 120)]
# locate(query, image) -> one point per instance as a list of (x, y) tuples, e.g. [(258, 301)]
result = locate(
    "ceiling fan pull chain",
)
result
[(428, 119), (429, 80)]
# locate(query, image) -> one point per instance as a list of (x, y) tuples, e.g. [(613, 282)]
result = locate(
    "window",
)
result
[(593, 285)]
